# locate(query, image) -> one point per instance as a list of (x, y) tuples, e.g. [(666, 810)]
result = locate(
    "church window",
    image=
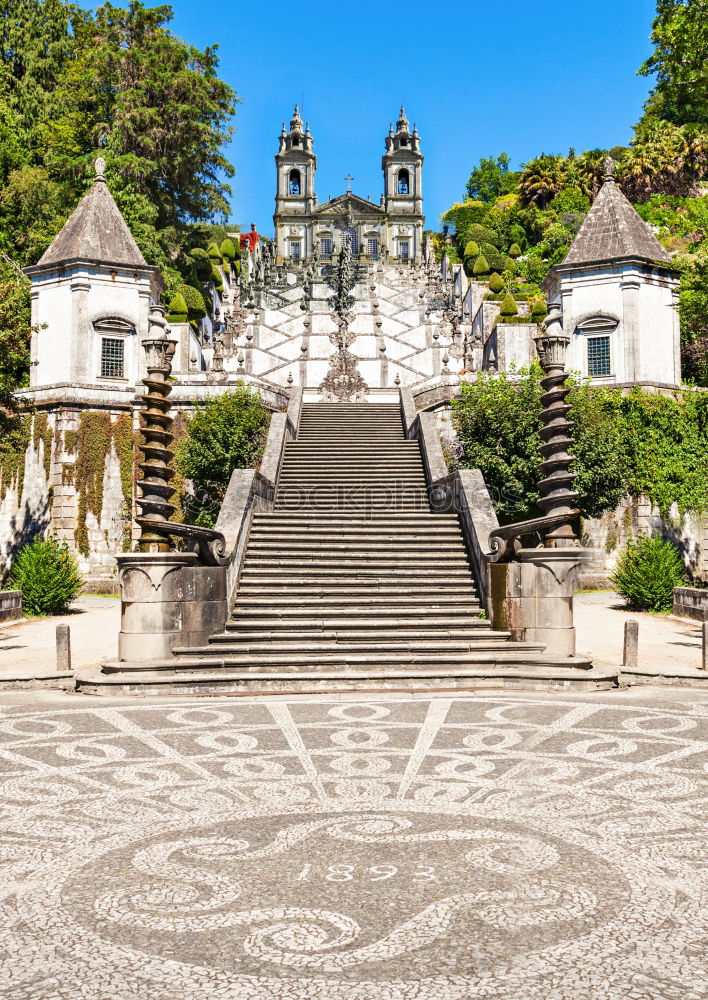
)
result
[(599, 359), (351, 238), (403, 249), (112, 357), (326, 246), (372, 247), (403, 182), (294, 186), (295, 249)]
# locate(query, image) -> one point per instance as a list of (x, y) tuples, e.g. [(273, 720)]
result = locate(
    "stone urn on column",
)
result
[(534, 564)]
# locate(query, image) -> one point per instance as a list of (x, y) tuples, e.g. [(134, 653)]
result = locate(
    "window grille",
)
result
[(295, 250), (599, 361), (372, 247), (403, 249), (112, 357), (326, 246)]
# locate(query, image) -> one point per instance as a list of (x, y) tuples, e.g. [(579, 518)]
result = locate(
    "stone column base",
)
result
[(532, 597), (152, 594)]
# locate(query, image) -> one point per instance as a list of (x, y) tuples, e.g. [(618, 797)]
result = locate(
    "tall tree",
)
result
[(680, 62), (157, 106), (491, 178)]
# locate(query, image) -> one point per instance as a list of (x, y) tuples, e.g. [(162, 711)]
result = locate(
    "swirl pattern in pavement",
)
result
[(514, 846)]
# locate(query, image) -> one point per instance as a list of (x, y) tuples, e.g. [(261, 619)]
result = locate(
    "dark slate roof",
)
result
[(95, 231), (613, 230), (349, 199)]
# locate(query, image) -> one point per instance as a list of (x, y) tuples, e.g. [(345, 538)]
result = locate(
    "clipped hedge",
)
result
[(228, 250), (496, 283), (480, 267), (202, 263), (508, 306), (471, 249), (177, 310), (214, 253), (482, 234)]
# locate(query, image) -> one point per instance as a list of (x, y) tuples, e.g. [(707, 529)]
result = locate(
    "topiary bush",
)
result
[(177, 311), (214, 253), (48, 575), (480, 267), (471, 249), (514, 250), (228, 250), (647, 572), (496, 283), (194, 300), (217, 277), (224, 434), (510, 265), (508, 306), (202, 263), (539, 309)]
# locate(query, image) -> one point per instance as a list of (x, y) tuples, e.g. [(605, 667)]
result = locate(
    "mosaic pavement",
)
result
[(510, 846)]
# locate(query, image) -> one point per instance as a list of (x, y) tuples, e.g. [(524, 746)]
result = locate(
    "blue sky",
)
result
[(478, 78)]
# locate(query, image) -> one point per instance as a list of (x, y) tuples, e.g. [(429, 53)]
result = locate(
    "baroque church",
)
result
[(348, 301), (304, 228)]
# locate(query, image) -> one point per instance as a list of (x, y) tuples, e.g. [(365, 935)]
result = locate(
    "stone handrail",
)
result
[(208, 543), (465, 493), (503, 540)]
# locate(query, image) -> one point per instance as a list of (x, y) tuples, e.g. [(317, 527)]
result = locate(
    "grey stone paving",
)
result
[(504, 845)]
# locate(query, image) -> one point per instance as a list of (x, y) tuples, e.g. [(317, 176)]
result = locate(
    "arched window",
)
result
[(404, 185), (294, 185)]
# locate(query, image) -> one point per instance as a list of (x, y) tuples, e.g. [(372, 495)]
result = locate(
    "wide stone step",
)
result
[(380, 566), (364, 573), (316, 660), (477, 630), (308, 590), (327, 648), (359, 549), (392, 521), (364, 618), (317, 532), (306, 604)]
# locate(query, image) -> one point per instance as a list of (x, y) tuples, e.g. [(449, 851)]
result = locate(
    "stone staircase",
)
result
[(350, 574)]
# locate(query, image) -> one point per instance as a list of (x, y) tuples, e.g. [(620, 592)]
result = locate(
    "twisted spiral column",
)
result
[(156, 427), (556, 494)]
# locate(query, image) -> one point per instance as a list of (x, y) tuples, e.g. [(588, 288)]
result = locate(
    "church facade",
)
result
[(306, 229)]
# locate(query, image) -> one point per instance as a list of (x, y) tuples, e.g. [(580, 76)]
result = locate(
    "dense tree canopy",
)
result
[(679, 62), (117, 80)]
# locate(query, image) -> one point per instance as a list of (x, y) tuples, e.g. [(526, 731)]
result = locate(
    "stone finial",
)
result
[(402, 123), (609, 168), (100, 168)]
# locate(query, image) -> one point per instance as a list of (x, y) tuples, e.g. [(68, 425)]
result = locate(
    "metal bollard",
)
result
[(631, 644), (704, 660), (63, 647)]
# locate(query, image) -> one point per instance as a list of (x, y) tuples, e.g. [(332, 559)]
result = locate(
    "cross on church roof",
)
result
[(349, 180)]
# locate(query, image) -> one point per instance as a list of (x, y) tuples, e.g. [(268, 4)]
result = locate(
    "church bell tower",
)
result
[(402, 166), (295, 197)]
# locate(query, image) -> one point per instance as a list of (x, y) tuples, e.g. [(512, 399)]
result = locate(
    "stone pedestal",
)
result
[(166, 600), (532, 597)]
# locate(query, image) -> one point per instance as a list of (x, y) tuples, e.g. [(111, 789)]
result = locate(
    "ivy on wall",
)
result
[(91, 443), (16, 433)]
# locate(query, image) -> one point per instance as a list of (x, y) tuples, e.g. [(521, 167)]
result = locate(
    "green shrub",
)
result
[(508, 306), (482, 234), (471, 249), (224, 434), (214, 253), (228, 250), (514, 250), (647, 572), (494, 257), (480, 267), (217, 277), (236, 267), (468, 266), (510, 265), (496, 283), (194, 301), (177, 310), (48, 575), (202, 263), (539, 309)]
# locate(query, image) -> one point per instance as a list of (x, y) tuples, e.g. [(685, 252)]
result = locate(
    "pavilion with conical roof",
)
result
[(619, 295), (91, 293)]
